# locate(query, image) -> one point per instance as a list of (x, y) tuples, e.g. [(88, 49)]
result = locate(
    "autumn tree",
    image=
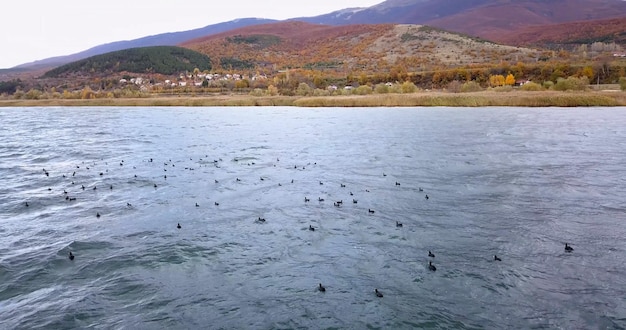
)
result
[(496, 80), (509, 80), (272, 90), (87, 93), (241, 84), (587, 72)]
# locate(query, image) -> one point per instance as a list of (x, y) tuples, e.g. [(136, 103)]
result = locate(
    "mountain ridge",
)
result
[(483, 18), (163, 39)]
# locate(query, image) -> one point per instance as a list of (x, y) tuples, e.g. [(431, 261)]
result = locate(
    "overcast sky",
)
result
[(37, 29)]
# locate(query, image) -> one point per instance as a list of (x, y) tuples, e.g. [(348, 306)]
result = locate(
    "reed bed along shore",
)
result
[(476, 99)]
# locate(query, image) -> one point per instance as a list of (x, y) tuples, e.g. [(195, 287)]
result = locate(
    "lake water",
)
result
[(514, 182)]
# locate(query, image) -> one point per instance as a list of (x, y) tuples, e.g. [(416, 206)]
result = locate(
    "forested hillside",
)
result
[(166, 60)]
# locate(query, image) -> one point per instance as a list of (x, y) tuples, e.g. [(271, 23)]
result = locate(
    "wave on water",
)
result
[(247, 186)]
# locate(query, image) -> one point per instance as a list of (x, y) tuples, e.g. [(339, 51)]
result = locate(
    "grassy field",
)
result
[(477, 99)]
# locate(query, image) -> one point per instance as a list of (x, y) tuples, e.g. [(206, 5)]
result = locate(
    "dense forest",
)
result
[(165, 60)]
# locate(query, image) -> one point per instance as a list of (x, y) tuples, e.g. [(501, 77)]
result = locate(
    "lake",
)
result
[(518, 183)]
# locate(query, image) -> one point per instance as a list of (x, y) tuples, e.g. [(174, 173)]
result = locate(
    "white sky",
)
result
[(37, 29)]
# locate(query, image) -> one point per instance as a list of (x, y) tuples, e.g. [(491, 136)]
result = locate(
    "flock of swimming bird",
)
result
[(339, 203)]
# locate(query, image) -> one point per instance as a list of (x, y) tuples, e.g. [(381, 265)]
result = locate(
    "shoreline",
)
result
[(474, 99)]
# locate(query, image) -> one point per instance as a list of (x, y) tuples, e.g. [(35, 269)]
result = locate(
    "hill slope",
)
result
[(585, 32), (482, 18), (159, 59), (492, 20), (488, 19), (367, 48)]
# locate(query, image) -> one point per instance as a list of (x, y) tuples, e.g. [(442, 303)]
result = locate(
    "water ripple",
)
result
[(518, 183)]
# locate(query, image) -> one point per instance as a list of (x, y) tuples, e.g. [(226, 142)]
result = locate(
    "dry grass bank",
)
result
[(478, 99), (190, 101)]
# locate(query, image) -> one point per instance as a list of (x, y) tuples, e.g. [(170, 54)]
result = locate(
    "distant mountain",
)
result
[(166, 60), (574, 33), (397, 11), (165, 39), (510, 16), (489, 19), (483, 18)]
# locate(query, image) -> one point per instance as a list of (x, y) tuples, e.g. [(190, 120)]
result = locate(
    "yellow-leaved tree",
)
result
[(496, 80), (510, 80)]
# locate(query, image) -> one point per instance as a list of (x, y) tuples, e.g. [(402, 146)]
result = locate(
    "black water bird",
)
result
[(342, 185), (216, 181), (311, 228), (426, 197), (129, 205), (217, 204), (354, 201), (178, 226), (430, 254), (351, 194), (101, 174), (306, 199), (568, 248), (94, 188), (97, 214), (72, 199), (82, 187), (340, 202), (197, 205), (378, 293), (336, 204), (155, 185), (320, 199), (496, 258), (261, 219), (384, 174), (431, 266), (71, 256), (397, 183), (398, 224), (420, 189), (321, 183), (370, 210), (321, 288), (111, 187), (26, 204), (238, 180)]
